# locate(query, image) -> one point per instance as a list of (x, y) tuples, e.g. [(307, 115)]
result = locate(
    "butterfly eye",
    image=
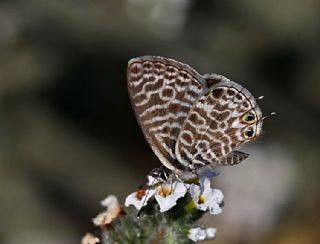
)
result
[(248, 133), (249, 118)]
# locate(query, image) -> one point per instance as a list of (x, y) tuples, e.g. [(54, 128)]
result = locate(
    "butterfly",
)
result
[(191, 121)]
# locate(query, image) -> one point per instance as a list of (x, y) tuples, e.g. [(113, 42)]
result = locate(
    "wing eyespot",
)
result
[(249, 133), (249, 118)]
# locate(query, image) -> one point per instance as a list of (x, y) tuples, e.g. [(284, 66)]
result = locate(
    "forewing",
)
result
[(162, 92), (214, 127)]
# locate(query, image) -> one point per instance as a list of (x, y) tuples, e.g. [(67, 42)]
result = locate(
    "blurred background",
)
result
[(69, 138)]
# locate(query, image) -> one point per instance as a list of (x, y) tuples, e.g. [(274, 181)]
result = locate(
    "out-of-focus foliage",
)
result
[(69, 136)]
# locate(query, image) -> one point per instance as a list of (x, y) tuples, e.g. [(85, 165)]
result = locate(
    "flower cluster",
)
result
[(166, 209), (166, 194)]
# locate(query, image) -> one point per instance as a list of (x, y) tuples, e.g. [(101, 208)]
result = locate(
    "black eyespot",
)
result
[(249, 133), (249, 118)]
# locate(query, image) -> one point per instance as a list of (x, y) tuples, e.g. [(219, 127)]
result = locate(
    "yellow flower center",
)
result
[(201, 199), (165, 191)]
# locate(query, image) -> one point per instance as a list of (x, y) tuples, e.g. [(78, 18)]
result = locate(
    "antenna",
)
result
[(267, 116)]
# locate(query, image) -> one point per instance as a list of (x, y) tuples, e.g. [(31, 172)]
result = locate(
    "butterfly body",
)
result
[(191, 121)]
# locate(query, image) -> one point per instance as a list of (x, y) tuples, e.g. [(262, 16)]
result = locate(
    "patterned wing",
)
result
[(223, 118), (162, 92), (233, 158)]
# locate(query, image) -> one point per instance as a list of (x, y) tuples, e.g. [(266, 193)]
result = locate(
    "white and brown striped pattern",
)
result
[(190, 120)]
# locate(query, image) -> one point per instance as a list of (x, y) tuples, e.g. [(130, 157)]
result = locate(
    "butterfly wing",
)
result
[(162, 92), (233, 158), (221, 120)]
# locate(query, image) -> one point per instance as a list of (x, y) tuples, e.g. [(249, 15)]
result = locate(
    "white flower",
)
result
[(206, 198), (90, 239), (168, 193), (211, 233), (110, 201), (197, 234), (153, 181), (139, 198), (113, 211), (200, 234)]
